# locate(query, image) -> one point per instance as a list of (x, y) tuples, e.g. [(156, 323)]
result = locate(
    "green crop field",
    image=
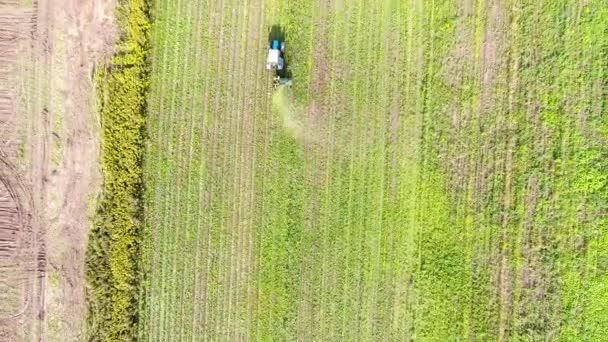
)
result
[(438, 171)]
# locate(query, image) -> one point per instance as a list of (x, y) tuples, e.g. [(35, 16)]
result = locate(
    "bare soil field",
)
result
[(48, 161)]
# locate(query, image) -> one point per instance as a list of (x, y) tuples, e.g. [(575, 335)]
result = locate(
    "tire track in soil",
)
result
[(41, 139), (20, 255), (38, 79), (22, 244), (14, 22), (17, 247)]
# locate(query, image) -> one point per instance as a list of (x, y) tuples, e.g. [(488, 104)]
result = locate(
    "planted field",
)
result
[(438, 171)]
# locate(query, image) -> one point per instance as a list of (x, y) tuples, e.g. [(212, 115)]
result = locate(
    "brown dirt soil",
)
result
[(48, 161), (18, 252)]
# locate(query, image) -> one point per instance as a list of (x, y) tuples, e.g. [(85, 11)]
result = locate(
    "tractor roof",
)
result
[(273, 57)]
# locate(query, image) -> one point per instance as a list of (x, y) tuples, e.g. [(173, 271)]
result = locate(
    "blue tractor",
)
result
[(275, 55), (276, 60)]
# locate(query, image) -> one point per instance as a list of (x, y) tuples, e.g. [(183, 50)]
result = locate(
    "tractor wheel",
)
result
[(282, 46)]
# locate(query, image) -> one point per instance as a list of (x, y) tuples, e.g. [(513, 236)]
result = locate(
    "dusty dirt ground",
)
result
[(49, 172)]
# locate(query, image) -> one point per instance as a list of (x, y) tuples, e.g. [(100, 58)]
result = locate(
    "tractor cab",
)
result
[(275, 55)]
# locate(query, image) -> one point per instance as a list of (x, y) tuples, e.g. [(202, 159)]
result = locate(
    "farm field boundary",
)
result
[(112, 263)]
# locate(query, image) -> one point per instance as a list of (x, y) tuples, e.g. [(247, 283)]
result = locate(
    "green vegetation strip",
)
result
[(112, 263), (437, 172)]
